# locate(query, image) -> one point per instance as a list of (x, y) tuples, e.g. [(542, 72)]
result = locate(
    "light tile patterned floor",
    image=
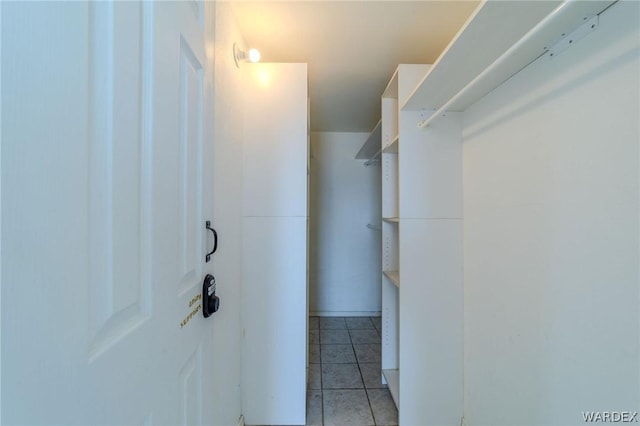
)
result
[(344, 374)]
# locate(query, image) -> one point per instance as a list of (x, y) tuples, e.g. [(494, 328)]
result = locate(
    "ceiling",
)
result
[(352, 48)]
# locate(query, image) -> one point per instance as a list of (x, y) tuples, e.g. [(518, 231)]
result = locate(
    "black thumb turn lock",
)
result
[(210, 302)]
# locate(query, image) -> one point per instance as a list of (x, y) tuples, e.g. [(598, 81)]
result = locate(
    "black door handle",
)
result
[(215, 240)]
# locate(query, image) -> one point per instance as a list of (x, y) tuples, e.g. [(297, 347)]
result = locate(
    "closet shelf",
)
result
[(391, 91), (391, 219), (464, 74), (393, 381), (392, 148), (394, 276), (371, 148)]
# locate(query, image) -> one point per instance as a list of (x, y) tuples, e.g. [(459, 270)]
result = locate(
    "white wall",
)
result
[(227, 189), (345, 255), (551, 235)]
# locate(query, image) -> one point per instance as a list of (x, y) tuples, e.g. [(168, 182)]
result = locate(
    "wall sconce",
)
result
[(240, 55)]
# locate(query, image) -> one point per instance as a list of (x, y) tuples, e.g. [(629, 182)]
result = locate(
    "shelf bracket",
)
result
[(425, 118), (588, 25)]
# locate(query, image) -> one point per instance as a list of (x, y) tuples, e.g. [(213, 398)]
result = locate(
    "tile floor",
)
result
[(344, 386)]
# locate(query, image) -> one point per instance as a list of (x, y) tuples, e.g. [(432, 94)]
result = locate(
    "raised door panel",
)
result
[(119, 153), (190, 220)]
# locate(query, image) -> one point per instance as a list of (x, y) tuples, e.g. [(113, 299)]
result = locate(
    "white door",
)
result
[(103, 214)]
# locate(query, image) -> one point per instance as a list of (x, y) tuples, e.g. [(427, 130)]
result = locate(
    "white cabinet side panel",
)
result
[(430, 171), (275, 343), (389, 324), (389, 185), (431, 322), (275, 131), (389, 120)]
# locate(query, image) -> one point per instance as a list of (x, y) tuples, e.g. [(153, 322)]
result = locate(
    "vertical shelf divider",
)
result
[(400, 86)]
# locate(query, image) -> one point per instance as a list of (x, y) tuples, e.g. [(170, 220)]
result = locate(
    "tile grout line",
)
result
[(367, 389), (321, 383), (361, 376), (320, 364)]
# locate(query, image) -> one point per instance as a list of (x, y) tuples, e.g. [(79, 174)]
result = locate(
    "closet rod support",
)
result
[(508, 54)]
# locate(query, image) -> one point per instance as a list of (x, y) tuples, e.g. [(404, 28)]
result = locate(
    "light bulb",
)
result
[(254, 55)]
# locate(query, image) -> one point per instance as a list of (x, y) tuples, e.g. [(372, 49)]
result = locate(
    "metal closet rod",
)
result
[(499, 61)]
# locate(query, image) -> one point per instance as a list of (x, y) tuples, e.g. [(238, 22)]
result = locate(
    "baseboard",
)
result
[(345, 313)]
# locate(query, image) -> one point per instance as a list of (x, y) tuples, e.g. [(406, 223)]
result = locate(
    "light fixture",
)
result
[(240, 55)]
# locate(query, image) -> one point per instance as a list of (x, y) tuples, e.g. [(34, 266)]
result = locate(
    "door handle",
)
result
[(215, 240)]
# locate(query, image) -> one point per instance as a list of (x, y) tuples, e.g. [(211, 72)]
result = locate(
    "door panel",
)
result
[(119, 150), (191, 386), (190, 168)]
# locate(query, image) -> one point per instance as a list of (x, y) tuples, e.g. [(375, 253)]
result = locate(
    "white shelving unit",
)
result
[(422, 258), (422, 336), (405, 78), (390, 237)]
